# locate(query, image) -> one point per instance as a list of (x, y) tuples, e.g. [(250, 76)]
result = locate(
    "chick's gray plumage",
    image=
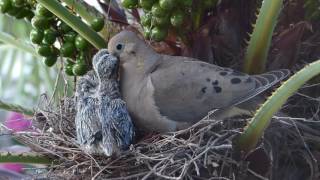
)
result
[(103, 125), (88, 126), (117, 127)]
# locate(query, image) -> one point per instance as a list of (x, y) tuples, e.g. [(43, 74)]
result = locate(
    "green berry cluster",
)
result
[(18, 8), (161, 15), (53, 37)]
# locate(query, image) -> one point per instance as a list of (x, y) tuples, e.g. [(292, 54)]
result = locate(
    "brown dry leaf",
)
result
[(287, 45)]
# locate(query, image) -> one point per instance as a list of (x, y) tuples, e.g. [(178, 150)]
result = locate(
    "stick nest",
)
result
[(204, 151)]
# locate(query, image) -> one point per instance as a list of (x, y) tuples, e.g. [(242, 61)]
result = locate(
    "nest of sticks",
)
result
[(288, 150)]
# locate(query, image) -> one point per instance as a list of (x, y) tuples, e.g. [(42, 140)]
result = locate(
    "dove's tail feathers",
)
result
[(269, 79), (263, 82)]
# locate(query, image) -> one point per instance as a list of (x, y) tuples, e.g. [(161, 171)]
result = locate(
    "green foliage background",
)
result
[(23, 76)]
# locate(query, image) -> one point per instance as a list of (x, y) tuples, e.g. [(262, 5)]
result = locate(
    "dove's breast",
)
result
[(138, 93)]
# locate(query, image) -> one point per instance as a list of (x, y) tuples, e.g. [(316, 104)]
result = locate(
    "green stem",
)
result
[(16, 108), (74, 22), (259, 44), (255, 129), (8, 39), (86, 11), (24, 158)]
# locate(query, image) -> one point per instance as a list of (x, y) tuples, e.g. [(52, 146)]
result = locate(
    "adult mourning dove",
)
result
[(166, 93), (102, 121)]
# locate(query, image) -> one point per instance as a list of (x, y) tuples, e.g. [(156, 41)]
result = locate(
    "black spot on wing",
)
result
[(235, 80), (214, 83), (203, 90), (217, 89), (223, 73), (208, 79)]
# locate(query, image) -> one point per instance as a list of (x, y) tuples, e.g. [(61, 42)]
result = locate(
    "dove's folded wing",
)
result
[(186, 90)]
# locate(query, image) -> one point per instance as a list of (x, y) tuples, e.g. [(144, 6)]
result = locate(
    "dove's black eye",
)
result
[(119, 46)]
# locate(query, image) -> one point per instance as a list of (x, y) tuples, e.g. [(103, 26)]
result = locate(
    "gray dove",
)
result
[(117, 127), (167, 93), (103, 125)]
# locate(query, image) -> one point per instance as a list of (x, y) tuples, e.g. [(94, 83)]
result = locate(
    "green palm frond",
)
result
[(23, 75)]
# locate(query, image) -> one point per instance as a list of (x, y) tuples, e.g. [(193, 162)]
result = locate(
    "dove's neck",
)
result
[(134, 72), (151, 60), (145, 63)]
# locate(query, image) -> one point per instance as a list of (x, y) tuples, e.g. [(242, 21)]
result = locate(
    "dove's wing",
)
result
[(187, 90)]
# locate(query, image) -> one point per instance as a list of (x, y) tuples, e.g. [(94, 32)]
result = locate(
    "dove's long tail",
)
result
[(263, 82), (269, 79)]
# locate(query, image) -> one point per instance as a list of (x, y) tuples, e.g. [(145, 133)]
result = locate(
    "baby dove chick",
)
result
[(166, 93), (88, 126), (117, 127)]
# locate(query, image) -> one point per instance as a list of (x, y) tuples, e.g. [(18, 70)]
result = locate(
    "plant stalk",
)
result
[(16, 108), (87, 12), (261, 120), (260, 40), (24, 158)]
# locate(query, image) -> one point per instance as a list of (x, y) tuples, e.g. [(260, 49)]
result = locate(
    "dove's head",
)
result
[(105, 65), (127, 46)]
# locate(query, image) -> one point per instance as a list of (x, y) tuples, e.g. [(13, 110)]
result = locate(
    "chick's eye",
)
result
[(119, 47)]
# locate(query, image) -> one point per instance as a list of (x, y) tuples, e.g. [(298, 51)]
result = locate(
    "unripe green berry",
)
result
[(50, 61), (146, 4), (81, 44), (97, 24), (79, 69), (67, 49), (157, 10), (45, 50), (36, 36), (40, 22), (68, 69), (159, 34), (50, 36), (129, 4), (5, 6), (70, 36), (42, 11), (167, 4)]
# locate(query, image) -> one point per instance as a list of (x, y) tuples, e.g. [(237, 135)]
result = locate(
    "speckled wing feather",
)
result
[(186, 90), (263, 82)]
